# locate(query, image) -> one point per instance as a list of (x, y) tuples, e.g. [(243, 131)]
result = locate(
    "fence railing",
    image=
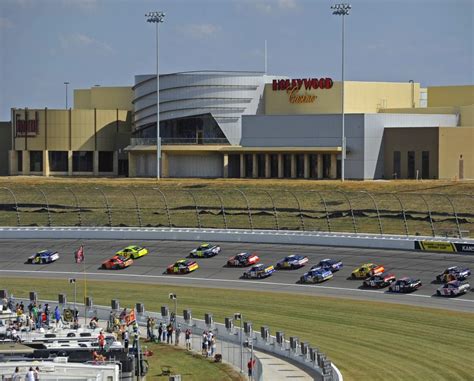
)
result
[(428, 214)]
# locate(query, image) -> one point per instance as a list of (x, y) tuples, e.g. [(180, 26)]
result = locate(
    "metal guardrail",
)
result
[(304, 210)]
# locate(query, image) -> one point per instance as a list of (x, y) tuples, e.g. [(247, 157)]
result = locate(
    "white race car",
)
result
[(453, 288)]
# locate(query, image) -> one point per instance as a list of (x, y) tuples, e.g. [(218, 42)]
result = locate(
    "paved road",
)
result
[(212, 273)]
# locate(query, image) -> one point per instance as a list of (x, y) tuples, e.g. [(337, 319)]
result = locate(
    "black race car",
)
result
[(378, 281), (405, 285)]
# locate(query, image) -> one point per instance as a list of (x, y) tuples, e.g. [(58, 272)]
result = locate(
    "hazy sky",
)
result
[(86, 42)]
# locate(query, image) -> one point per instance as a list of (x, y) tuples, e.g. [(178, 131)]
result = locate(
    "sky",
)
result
[(44, 43)]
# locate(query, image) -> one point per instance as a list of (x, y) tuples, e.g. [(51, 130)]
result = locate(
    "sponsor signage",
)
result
[(26, 127), (297, 89), (446, 247)]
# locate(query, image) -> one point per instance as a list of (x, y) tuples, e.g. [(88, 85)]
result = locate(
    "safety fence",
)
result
[(235, 339), (402, 213)]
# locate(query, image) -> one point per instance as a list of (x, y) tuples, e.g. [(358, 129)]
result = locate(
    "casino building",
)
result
[(250, 125)]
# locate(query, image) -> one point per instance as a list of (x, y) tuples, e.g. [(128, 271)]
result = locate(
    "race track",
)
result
[(212, 273)]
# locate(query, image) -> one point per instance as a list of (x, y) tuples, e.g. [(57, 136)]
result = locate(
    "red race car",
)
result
[(117, 262), (243, 259)]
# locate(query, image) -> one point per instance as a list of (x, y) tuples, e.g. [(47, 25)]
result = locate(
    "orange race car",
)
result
[(117, 262)]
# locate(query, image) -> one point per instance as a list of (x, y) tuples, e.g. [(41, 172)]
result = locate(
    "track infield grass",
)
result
[(366, 340)]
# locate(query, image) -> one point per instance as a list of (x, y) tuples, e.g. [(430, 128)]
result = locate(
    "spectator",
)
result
[(164, 333), (187, 336), (250, 366), (37, 374), (177, 334), (126, 339), (160, 331), (16, 375), (169, 332), (30, 375), (101, 339), (94, 323), (46, 313), (149, 333), (57, 316), (213, 345)]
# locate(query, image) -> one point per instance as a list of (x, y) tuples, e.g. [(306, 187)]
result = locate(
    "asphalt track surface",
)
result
[(213, 273)]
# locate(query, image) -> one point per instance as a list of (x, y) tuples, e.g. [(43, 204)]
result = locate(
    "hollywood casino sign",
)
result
[(293, 88)]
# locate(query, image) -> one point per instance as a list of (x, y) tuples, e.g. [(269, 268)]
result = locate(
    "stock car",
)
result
[(259, 271), (367, 270), (117, 262), (316, 275), (132, 252), (292, 262), (183, 266), (405, 284), (453, 273), (380, 280), (205, 250), (43, 256), (453, 288), (243, 259), (330, 264)]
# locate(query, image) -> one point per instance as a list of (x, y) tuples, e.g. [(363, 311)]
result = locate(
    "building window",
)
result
[(82, 161), (411, 164), (58, 161), (396, 165), (36, 161), (19, 161), (425, 164), (106, 161)]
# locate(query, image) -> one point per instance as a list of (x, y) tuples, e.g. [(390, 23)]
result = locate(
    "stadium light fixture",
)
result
[(342, 9), (66, 83), (157, 17)]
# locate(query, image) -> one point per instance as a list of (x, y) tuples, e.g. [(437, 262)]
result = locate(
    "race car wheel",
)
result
[(438, 292), (451, 293), (102, 267), (353, 276), (132, 257)]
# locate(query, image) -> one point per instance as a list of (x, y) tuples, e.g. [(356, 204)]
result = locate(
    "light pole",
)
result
[(157, 18), (175, 298), (73, 280), (342, 9), (66, 83), (238, 316)]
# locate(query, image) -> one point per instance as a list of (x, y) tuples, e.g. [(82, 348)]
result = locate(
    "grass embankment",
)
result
[(191, 366), (367, 341), (317, 201)]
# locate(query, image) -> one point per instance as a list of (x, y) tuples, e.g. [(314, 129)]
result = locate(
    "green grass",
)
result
[(260, 194), (367, 340), (191, 366)]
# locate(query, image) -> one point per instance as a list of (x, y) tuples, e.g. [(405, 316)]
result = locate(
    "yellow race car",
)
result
[(367, 270), (132, 252)]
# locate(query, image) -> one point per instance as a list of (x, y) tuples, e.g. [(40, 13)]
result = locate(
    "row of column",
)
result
[(13, 164), (306, 170)]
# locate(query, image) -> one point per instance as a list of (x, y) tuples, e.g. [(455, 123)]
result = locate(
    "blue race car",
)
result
[(44, 256), (330, 264), (316, 275), (259, 271), (292, 262)]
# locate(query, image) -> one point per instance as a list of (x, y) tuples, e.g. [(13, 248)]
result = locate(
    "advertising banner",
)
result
[(445, 247)]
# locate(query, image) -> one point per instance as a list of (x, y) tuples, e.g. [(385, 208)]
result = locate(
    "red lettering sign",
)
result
[(309, 83), (26, 128)]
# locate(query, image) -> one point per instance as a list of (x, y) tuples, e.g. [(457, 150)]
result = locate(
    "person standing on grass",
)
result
[(169, 334), (30, 375), (187, 336), (160, 331), (126, 339), (37, 373), (177, 334), (57, 316), (16, 375)]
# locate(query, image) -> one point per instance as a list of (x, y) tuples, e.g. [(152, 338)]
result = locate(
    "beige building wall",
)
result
[(360, 97), (456, 153), (410, 139), (450, 96), (104, 98)]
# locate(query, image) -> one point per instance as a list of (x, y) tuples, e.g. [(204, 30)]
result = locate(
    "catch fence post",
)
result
[(275, 214), (18, 221), (46, 203), (377, 209), (78, 207), (137, 206), (248, 207), (299, 208), (195, 207), (352, 210), (166, 205), (106, 201)]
